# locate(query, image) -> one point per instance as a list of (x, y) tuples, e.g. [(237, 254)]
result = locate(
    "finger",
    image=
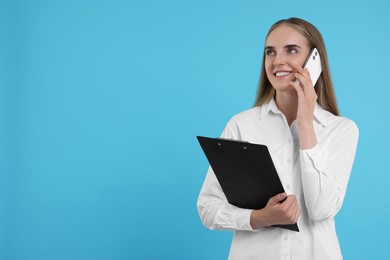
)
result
[(306, 72), (296, 215), (294, 210), (304, 78), (297, 88), (291, 200), (277, 199), (299, 72), (289, 203)]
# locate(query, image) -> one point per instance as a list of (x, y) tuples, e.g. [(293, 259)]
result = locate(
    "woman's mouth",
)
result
[(280, 74)]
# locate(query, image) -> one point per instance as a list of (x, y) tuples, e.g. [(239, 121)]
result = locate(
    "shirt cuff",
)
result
[(312, 158), (234, 218), (242, 218)]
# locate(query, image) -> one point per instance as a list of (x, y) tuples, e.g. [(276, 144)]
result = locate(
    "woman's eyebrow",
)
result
[(285, 47), (292, 46)]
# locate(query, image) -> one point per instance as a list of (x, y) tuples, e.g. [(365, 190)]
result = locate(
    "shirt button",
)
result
[(285, 238), (288, 161), (288, 186), (289, 141)]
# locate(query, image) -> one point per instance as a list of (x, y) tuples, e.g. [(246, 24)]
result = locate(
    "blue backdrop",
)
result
[(101, 101)]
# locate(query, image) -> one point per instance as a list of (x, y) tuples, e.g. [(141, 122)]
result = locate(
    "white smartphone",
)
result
[(313, 64)]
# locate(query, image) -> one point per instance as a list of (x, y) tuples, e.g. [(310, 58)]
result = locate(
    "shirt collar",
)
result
[(320, 114), (270, 106)]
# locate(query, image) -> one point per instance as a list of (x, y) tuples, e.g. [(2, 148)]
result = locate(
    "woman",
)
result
[(312, 147)]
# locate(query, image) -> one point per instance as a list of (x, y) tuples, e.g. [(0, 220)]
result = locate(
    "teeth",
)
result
[(282, 73)]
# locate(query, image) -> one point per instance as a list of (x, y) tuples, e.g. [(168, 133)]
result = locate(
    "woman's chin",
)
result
[(284, 88)]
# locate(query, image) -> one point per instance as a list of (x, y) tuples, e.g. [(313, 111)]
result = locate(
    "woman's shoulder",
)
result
[(348, 124), (240, 123), (246, 115), (342, 122)]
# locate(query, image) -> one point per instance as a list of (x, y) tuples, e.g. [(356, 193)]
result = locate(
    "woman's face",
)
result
[(285, 49)]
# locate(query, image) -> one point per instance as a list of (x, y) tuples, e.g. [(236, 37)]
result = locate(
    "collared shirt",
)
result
[(318, 177)]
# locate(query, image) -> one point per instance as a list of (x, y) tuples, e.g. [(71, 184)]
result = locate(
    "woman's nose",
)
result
[(279, 59)]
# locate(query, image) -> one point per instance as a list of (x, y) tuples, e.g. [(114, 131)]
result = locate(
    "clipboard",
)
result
[(245, 172)]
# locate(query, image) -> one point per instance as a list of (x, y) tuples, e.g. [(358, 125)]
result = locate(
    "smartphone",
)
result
[(313, 64)]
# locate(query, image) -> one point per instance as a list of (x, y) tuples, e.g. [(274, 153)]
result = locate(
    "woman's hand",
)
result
[(280, 209), (307, 99)]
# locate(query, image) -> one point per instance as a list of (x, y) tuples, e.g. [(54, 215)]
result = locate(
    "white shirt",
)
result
[(317, 176)]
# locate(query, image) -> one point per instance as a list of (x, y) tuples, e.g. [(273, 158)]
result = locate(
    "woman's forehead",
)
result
[(286, 35)]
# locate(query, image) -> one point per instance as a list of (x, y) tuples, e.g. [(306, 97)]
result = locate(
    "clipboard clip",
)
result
[(232, 140)]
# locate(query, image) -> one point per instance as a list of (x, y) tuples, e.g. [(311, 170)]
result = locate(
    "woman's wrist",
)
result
[(307, 136), (258, 219)]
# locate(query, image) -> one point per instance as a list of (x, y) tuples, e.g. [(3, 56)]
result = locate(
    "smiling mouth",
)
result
[(282, 73)]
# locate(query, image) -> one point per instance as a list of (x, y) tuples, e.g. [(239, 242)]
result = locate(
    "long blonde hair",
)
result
[(324, 85)]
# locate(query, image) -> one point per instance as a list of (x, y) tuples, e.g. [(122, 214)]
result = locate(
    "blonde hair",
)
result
[(324, 85)]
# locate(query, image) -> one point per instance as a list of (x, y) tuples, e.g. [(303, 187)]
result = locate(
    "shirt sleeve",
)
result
[(213, 207), (325, 173)]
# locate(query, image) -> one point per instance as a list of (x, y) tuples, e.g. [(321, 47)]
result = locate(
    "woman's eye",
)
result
[(293, 51), (269, 52)]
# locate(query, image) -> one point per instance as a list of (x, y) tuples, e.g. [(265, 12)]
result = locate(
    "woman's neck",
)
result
[(287, 103)]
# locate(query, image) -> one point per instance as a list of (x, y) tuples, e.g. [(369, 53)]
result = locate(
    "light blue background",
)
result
[(101, 101)]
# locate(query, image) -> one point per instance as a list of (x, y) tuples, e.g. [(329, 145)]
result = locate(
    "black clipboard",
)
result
[(245, 172)]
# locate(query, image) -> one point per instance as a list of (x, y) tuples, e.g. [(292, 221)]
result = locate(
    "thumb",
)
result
[(276, 199)]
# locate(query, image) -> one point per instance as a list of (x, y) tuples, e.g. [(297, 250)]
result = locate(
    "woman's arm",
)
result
[(213, 207), (325, 178), (215, 211)]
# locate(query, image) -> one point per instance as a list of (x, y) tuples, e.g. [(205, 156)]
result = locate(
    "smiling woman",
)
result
[(281, 60), (300, 37), (313, 150), (279, 57)]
